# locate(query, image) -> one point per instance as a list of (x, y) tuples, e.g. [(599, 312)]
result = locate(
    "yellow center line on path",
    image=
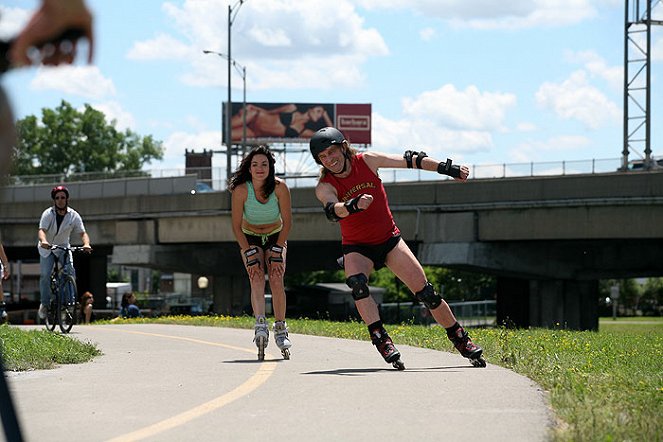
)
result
[(181, 338), (264, 371)]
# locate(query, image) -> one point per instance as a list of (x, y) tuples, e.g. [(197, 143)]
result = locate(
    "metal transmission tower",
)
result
[(637, 79)]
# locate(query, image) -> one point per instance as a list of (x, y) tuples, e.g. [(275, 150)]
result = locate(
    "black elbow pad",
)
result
[(331, 213)]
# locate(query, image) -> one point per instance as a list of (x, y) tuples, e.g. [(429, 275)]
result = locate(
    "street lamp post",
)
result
[(231, 19), (242, 71)]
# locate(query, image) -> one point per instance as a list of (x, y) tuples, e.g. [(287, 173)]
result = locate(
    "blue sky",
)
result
[(482, 82)]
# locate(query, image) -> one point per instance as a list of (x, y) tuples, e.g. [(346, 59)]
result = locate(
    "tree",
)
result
[(68, 141)]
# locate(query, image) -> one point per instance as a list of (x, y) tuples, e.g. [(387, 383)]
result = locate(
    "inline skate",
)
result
[(386, 348), (468, 349), (281, 338), (261, 337)]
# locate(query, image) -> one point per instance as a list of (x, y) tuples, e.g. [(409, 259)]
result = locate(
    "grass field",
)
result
[(605, 386)]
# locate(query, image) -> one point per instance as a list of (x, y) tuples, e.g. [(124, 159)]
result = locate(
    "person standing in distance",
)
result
[(261, 220), (353, 195), (56, 225)]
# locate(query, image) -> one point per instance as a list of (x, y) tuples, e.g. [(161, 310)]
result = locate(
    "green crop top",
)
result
[(257, 213)]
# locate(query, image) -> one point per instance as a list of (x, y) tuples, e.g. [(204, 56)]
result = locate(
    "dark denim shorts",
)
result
[(375, 252)]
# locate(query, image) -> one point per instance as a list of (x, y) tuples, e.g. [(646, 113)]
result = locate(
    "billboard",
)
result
[(297, 122)]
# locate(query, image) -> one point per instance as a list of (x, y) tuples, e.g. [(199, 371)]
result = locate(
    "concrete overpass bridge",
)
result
[(547, 239)]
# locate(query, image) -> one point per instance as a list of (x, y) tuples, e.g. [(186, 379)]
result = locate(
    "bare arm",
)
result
[(41, 234), (285, 207), (376, 160), (86, 242), (326, 193), (239, 195)]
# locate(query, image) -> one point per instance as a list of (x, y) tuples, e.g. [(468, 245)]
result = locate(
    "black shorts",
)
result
[(265, 242), (375, 252)]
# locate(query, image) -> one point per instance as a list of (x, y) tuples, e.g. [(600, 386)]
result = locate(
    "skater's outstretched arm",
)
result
[(414, 159)]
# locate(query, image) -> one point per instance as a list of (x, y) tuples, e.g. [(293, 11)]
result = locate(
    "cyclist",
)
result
[(56, 226)]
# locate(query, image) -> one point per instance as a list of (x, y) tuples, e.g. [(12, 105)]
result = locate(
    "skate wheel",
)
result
[(478, 362), (398, 364), (261, 349), (286, 353)]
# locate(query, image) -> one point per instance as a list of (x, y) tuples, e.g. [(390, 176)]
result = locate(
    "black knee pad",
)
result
[(359, 285), (429, 297)]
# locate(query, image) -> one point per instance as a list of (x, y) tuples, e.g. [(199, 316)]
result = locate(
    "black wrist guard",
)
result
[(331, 213), (251, 255), (445, 168), (410, 154), (278, 250), (351, 205)]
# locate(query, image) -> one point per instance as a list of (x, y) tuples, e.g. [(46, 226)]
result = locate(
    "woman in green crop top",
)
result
[(261, 220)]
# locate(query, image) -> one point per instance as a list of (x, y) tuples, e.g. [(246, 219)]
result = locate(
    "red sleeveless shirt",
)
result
[(374, 225)]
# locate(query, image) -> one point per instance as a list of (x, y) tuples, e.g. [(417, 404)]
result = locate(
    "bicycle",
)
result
[(62, 309)]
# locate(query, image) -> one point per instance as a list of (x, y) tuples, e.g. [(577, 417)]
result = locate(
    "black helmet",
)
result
[(324, 138), (57, 189)]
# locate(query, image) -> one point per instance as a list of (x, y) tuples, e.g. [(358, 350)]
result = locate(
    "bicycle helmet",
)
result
[(324, 138), (57, 189)]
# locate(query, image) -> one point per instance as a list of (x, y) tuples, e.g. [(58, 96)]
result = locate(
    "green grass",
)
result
[(39, 349), (605, 386)]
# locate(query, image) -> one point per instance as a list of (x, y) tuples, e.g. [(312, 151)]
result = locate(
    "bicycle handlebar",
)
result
[(70, 249)]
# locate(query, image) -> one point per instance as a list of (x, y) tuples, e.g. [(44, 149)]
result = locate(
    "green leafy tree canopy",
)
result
[(67, 141)]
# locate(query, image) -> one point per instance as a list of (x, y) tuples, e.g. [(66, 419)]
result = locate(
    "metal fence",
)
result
[(469, 314), (309, 178)]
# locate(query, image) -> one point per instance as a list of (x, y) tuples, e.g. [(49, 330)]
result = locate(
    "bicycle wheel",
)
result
[(67, 305), (51, 319)]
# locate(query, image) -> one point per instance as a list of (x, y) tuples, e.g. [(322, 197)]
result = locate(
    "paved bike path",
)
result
[(173, 383)]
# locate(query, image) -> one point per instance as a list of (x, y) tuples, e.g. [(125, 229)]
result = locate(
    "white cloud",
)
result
[(427, 34), (598, 67), (162, 47), (576, 99), (490, 14), (85, 81), (526, 126), (114, 111), (437, 141), (657, 50), (332, 43), (12, 21), (177, 143), (533, 150), (468, 110)]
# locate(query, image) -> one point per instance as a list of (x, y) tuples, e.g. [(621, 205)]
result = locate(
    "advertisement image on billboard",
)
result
[(297, 122)]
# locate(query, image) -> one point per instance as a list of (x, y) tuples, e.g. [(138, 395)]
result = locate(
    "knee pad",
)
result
[(359, 285), (429, 297)]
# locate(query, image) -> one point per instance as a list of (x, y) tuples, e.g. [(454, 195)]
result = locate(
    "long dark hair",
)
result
[(84, 298), (243, 172), (125, 299)]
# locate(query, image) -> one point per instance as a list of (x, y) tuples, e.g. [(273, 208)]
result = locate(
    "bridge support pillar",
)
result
[(231, 294), (91, 275), (548, 303)]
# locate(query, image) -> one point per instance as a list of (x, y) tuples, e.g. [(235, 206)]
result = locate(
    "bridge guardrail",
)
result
[(309, 178)]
